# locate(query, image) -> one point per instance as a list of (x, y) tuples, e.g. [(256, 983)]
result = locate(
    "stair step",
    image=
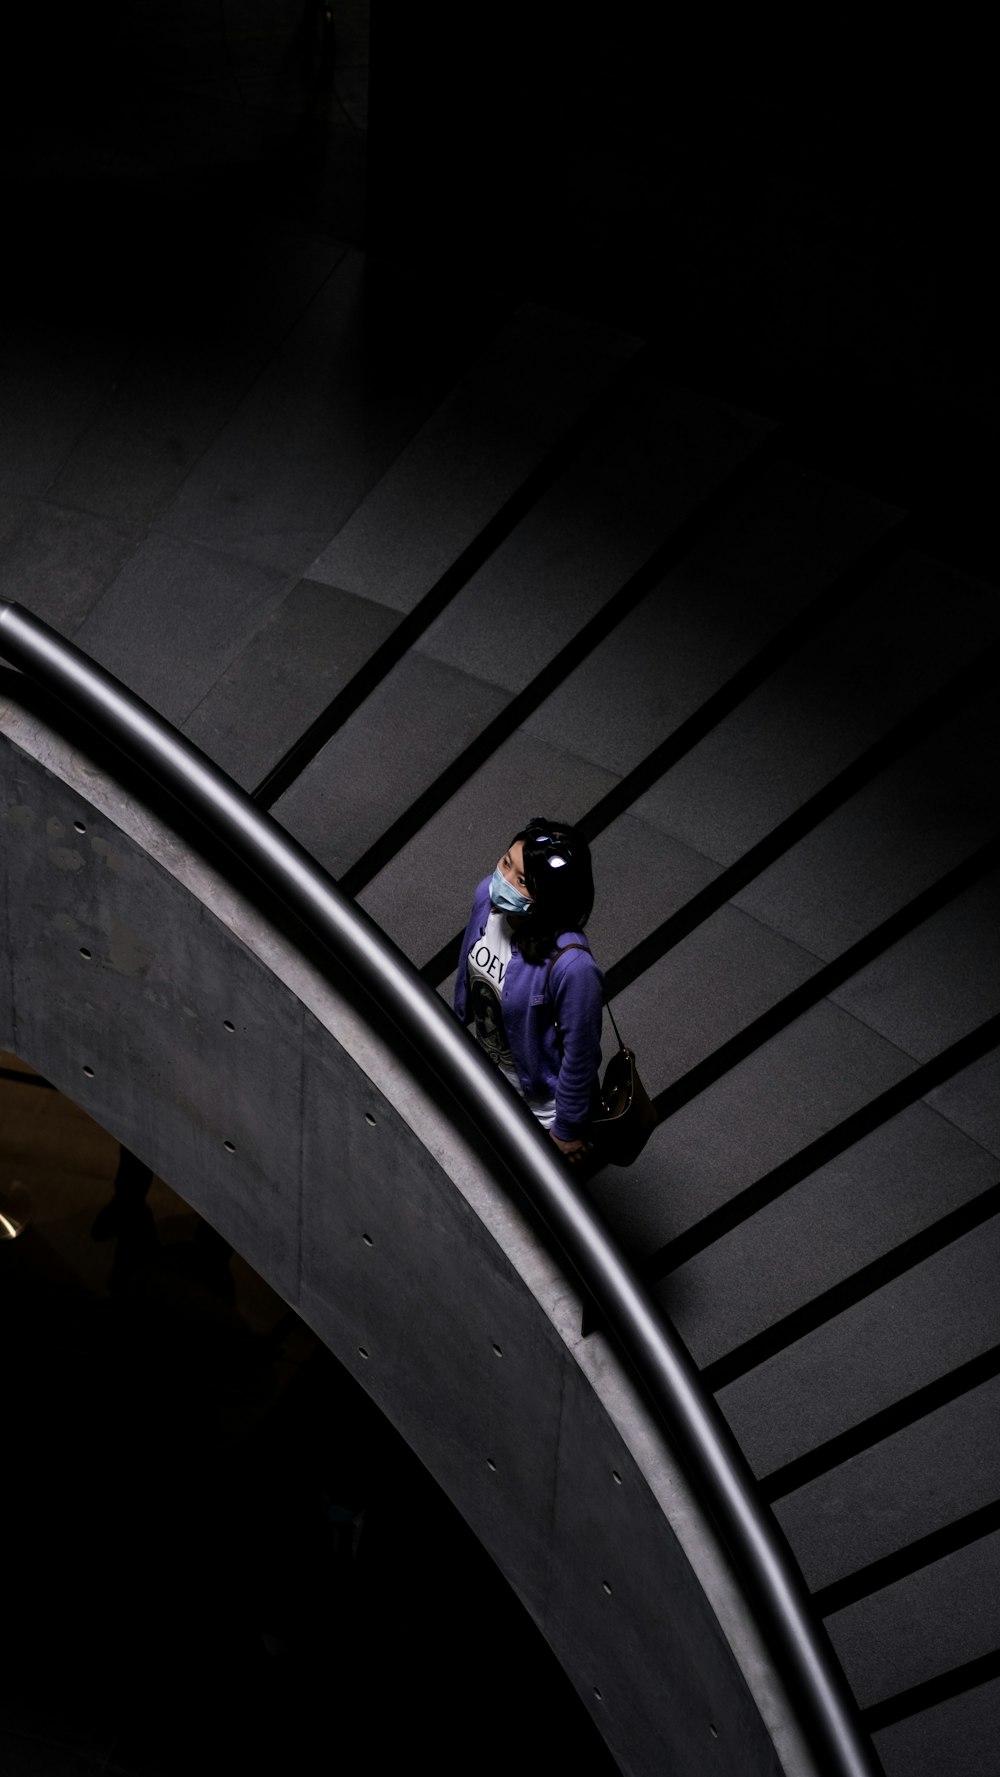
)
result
[(314, 643), (883, 1642), (972, 1103), (542, 370), (172, 619), (602, 519), (958, 1736), (879, 1351), (938, 982), (919, 625), (894, 1184), (905, 1488), (317, 430), (536, 378), (763, 563), (905, 830), (59, 563), (689, 633), (789, 1093), (187, 370)]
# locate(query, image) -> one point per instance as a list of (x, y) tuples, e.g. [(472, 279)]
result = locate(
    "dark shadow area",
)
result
[(799, 214), (263, 108), (218, 1554)]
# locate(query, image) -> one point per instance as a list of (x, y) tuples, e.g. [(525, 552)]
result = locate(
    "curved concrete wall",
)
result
[(154, 993)]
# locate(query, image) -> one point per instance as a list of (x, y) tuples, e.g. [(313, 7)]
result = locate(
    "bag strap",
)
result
[(560, 948)]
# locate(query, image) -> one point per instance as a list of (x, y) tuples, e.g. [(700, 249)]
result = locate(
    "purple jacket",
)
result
[(563, 1063)]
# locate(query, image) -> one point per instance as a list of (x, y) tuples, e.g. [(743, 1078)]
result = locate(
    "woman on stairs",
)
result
[(528, 983)]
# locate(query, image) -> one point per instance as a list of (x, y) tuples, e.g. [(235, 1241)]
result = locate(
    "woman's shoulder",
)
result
[(572, 954)]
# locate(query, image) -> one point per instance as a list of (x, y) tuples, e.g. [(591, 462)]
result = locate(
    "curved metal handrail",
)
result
[(825, 1709)]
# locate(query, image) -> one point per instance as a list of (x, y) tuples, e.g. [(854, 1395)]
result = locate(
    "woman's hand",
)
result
[(573, 1150)]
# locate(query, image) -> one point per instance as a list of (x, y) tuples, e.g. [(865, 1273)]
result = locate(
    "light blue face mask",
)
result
[(505, 898)]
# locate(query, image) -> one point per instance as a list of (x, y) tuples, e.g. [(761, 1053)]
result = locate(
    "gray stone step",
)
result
[(529, 386), (901, 832), (185, 374), (919, 1327), (958, 1737), (922, 995), (729, 971), (307, 442), (678, 646), (650, 466), (898, 1181), (883, 1641), (918, 626), (786, 1094), (59, 562), (972, 1102), (767, 559), (172, 620), (537, 377), (312, 645), (937, 983), (903, 1488)]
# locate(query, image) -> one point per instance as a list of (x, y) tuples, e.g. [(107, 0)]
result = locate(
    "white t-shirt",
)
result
[(488, 961)]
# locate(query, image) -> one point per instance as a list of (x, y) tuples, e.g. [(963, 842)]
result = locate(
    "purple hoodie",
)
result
[(563, 1063)]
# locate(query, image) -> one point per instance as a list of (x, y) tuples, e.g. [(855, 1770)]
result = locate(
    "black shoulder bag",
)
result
[(627, 1115)]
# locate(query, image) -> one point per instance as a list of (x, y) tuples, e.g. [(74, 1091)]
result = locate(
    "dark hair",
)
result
[(560, 880)]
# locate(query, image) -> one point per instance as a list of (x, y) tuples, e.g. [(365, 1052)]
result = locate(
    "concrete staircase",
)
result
[(412, 566)]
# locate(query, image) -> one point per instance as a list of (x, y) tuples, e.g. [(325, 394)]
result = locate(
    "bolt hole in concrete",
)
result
[(598, 1694), (85, 953), (497, 1350), (616, 1477), (88, 1071), (362, 1352), (227, 1024), (605, 1587), (369, 1119), (230, 1147), (491, 1465), (368, 1240), (79, 827), (713, 1730)]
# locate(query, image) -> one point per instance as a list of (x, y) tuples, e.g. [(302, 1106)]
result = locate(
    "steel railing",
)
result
[(771, 1582)]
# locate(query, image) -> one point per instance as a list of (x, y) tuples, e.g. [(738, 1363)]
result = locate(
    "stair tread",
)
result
[(850, 1368), (763, 563), (696, 632), (309, 439), (917, 627), (290, 670), (579, 545), (188, 372), (894, 1183), (958, 1737), (883, 1642), (171, 620), (60, 562), (536, 377), (908, 1486), (763, 1112), (898, 834), (970, 1100)]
